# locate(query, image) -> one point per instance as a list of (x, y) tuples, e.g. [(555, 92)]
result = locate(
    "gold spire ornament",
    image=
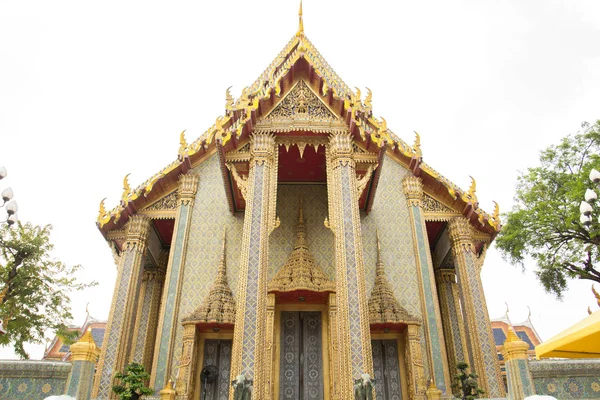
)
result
[(300, 22), (384, 308), (300, 271), (219, 305)]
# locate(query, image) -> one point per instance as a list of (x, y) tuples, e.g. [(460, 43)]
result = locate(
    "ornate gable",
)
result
[(301, 102)]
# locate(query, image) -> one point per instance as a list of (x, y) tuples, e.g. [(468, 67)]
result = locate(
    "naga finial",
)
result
[(369, 99), (357, 96), (126, 188), (417, 145), (102, 211), (472, 189), (228, 99), (182, 143), (300, 22), (496, 216), (383, 125)]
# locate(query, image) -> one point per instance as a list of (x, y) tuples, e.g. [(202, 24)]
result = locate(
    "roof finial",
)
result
[(222, 271), (300, 22), (379, 269), (301, 229)]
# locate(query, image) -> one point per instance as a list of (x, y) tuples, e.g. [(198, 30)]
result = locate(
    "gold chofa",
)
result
[(384, 308), (300, 271), (300, 22), (219, 305)]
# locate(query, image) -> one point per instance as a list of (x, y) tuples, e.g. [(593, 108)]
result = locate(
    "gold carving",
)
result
[(168, 202), (470, 196), (300, 271), (241, 181), (219, 305), (414, 356), (138, 229), (361, 182), (413, 190), (182, 144), (383, 305), (459, 230), (431, 205), (188, 184), (301, 103)]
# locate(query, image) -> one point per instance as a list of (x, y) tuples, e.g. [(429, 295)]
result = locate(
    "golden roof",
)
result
[(384, 308), (219, 305), (300, 271), (239, 112)]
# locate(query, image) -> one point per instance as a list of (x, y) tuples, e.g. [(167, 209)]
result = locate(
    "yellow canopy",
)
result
[(582, 340)]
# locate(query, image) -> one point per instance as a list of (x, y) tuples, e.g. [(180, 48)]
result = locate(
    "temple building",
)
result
[(296, 246)]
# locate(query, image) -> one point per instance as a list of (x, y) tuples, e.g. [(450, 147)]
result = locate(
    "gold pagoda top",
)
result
[(242, 113), (219, 305), (300, 271), (384, 308)]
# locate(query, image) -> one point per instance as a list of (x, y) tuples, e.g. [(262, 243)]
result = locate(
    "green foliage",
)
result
[(544, 222), (466, 383), (133, 382), (34, 288)]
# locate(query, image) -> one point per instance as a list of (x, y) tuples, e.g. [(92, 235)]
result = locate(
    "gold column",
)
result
[(354, 338), (452, 319), (145, 329), (188, 361), (270, 348), (414, 360), (251, 304), (430, 306), (334, 351), (518, 376), (117, 342), (169, 307), (477, 320)]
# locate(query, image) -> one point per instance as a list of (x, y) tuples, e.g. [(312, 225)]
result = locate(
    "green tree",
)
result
[(467, 383), (34, 287), (544, 223), (133, 381)]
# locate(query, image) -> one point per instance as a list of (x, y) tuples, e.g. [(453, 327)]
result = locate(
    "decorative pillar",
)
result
[(84, 355), (354, 338), (163, 351), (477, 320), (436, 348), (334, 351), (270, 349), (518, 376), (188, 361), (121, 320), (145, 330), (414, 359), (452, 320), (251, 304)]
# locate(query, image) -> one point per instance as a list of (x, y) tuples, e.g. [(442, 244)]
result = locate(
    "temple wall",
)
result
[(390, 215), (32, 380), (210, 216), (567, 379), (320, 239)]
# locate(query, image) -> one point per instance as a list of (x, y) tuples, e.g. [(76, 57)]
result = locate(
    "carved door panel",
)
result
[(217, 353), (386, 369), (301, 363)]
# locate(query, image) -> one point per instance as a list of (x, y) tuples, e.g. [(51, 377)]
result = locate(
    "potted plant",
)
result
[(467, 383), (133, 382)]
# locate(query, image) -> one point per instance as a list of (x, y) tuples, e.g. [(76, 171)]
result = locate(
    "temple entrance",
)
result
[(386, 369), (301, 372), (216, 352)]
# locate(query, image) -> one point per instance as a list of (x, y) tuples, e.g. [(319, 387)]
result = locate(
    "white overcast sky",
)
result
[(91, 91)]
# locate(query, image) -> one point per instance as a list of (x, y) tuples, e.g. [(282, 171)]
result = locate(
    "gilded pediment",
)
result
[(301, 102)]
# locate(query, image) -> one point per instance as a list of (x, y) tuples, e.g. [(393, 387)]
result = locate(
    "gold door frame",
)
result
[(326, 343), (402, 365)]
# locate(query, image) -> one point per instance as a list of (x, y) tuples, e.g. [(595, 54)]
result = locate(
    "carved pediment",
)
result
[(168, 202), (301, 103)]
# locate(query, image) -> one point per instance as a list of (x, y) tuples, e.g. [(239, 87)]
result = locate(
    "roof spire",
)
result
[(300, 22), (222, 271), (379, 268), (301, 229)]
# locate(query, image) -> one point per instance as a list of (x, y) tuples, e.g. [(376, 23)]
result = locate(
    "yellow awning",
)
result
[(582, 340)]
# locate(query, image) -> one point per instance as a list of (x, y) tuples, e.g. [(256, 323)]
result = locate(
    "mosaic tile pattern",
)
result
[(116, 324), (80, 382), (428, 286), (456, 334), (356, 348), (567, 379), (170, 302), (210, 216), (249, 342), (144, 323), (483, 327), (32, 380), (390, 215), (320, 239)]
